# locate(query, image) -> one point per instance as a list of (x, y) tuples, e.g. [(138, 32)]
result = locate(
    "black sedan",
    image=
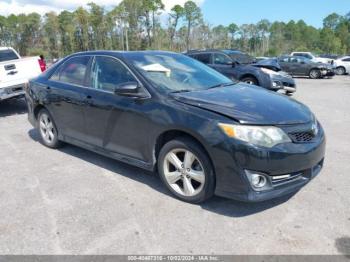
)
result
[(163, 111), (301, 66)]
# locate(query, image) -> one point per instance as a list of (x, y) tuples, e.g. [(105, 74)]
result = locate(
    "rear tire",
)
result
[(186, 170), (48, 130), (315, 74), (340, 70), (250, 80)]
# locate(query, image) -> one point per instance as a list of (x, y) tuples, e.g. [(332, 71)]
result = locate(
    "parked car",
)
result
[(329, 56), (240, 66), (342, 65), (312, 57), (301, 66), (165, 111), (15, 72)]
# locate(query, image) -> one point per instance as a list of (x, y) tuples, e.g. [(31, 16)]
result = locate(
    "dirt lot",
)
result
[(72, 201)]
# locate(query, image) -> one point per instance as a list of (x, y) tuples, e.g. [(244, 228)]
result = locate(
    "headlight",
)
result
[(266, 136), (269, 71)]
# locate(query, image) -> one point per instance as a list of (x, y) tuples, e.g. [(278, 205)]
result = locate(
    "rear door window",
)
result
[(7, 55), (73, 71)]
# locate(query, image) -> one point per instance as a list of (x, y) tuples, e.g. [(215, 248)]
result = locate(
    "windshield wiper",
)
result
[(222, 85), (180, 91)]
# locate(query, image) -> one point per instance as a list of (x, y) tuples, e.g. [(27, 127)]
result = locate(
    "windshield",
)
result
[(171, 72)]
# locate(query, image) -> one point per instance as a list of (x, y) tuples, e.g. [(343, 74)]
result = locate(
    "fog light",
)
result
[(258, 181)]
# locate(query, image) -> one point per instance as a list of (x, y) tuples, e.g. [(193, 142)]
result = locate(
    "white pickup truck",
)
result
[(15, 72), (312, 57)]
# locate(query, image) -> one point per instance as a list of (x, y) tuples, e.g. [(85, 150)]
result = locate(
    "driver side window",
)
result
[(221, 59), (107, 73)]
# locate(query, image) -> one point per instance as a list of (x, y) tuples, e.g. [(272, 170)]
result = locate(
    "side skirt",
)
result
[(110, 154)]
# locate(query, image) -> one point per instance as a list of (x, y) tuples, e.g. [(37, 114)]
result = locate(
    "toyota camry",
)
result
[(201, 132)]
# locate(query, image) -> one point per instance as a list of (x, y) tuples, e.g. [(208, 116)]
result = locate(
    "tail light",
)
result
[(42, 65)]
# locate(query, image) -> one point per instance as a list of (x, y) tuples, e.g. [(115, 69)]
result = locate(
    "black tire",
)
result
[(340, 70), (315, 74), (52, 141), (250, 80), (184, 143)]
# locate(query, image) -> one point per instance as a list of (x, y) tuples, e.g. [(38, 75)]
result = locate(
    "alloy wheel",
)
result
[(314, 74), (184, 172), (47, 129), (340, 71), (249, 82)]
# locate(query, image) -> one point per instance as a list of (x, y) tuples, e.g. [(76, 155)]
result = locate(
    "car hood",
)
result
[(271, 64), (248, 104)]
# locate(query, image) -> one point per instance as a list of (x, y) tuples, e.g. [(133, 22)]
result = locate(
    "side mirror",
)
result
[(127, 89)]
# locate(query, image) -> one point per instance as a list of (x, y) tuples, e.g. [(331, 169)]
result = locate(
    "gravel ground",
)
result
[(71, 201)]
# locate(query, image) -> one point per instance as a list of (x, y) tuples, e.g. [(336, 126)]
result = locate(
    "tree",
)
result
[(232, 29), (177, 12), (51, 29), (332, 21), (66, 31), (192, 15), (150, 7), (82, 41)]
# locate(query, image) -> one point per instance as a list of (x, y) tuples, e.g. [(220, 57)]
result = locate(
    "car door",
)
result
[(223, 64), (294, 66), (65, 88), (115, 123), (303, 66), (346, 62), (284, 62)]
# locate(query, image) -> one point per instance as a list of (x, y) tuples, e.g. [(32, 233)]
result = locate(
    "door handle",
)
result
[(48, 88)]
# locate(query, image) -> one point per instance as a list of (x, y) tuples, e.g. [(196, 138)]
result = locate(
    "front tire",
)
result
[(250, 80), (315, 74), (47, 129), (340, 70), (186, 170)]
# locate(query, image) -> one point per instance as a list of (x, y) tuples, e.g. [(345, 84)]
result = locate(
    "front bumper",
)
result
[(11, 92), (280, 82), (300, 162), (328, 72)]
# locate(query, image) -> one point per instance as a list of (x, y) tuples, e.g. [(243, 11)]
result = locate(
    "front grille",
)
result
[(302, 137)]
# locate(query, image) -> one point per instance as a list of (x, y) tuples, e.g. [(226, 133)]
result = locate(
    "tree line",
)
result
[(144, 24)]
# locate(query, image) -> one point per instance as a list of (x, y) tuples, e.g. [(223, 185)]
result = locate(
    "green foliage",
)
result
[(136, 25)]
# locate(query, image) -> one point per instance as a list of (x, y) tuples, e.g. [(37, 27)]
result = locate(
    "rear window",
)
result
[(6, 55)]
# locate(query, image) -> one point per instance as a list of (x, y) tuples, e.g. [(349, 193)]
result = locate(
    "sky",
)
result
[(214, 11), (251, 11)]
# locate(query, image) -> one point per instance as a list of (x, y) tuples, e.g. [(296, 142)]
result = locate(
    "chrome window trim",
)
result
[(101, 90)]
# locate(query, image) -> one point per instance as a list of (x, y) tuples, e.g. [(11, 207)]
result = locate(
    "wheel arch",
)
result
[(172, 134), (37, 109), (249, 75), (343, 67)]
